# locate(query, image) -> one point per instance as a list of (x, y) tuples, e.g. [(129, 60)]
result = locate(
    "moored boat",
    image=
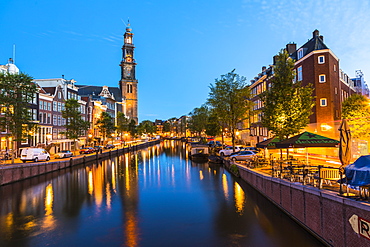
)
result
[(199, 152), (215, 159)]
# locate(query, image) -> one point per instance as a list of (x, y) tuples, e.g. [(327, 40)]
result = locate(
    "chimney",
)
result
[(315, 33), (263, 68), (274, 59), (322, 38), (291, 47)]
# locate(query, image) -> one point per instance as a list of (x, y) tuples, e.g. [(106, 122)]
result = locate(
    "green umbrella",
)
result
[(306, 140), (269, 143)]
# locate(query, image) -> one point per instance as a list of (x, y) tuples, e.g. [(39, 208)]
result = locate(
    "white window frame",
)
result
[(322, 76), (323, 59), (323, 102), (299, 73)]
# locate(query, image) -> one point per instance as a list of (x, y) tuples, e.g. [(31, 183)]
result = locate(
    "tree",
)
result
[(17, 92), (166, 126), (198, 120), (357, 112), (106, 125), (229, 101), (287, 105), (213, 127), (146, 127), (75, 125), (132, 129), (122, 123)]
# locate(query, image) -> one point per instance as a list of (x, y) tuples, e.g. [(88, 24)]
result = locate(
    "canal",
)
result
[(153, 197)]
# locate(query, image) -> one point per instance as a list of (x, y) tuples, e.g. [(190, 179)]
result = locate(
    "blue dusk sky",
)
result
[(181, 46)]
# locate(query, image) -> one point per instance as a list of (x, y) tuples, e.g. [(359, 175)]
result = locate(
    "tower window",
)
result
[(300, 53), (321, 59), (322, 78), (323, 102), (129, 88)]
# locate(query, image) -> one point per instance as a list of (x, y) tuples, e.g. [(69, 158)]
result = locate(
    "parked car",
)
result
[(243, 155), (98, 148), (254, 149), (109, 146), (87, 150), (34, 154), (63, 154), (228, 150), (214, 143)]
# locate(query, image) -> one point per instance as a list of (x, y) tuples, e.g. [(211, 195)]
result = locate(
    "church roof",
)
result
[(85, 90), (316, 43)]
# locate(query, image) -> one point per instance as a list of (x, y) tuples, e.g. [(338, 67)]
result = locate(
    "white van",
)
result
[(34, 154)]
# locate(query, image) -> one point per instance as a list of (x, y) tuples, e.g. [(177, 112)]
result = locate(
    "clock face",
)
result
[(129, 59), (128, 70)]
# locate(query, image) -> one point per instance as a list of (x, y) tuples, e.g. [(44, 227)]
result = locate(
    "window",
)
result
[(40, 117), (59, 95), (54, 106), (300, 53), (49, 106), (59, 121), (335, 68), (299, 74), (54, 120), (129, 88), (49, 118), (323, 102), (322, 78), (59, 106), (321, 59)]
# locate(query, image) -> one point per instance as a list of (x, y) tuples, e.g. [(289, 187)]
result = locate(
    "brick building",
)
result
[(315, 64)]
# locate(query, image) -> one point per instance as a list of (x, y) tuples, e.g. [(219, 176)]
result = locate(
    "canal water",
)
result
[(153, 197)]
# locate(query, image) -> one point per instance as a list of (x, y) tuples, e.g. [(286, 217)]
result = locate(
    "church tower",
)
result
[(128, 82)]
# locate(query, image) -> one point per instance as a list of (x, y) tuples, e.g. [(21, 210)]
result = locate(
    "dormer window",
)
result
[(300, 53)]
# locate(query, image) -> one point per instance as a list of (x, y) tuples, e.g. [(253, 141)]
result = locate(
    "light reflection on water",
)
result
[(148, 198)]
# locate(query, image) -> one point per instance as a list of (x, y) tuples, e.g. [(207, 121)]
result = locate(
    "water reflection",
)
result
[(147, 198)]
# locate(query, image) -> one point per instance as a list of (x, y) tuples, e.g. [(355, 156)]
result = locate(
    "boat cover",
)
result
[(358, 173)]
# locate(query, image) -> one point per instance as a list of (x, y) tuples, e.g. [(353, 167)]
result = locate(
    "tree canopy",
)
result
[(146, 127), (356, 110), (198, 120), (287, 105), (75, 125), (229, 99), (106, 124)]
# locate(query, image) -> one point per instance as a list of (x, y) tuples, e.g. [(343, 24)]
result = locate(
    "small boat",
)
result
[(199, 152), (215, 159)]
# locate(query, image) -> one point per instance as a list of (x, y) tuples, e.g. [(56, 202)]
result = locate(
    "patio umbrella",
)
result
[(269, 143), (306, 140), (344, 150), (345, 144)]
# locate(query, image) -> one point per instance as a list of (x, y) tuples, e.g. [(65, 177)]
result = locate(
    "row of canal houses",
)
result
[(47, 109)]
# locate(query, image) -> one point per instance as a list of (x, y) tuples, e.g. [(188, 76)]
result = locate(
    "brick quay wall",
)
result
[(336, 220), (17, 172)]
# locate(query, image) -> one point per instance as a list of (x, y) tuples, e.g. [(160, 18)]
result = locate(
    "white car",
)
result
[(34, 154), (63, 154), (228, 150), (243, 155)]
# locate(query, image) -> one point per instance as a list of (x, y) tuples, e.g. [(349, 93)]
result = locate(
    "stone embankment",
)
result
[(17, 172), (336, 220)]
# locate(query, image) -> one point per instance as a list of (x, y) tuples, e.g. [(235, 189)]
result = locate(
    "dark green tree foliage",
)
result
[(229, 101), (356, 110), (166, 126), (198, 120), (17, 91), (106, 124), (132, 128), (122, 123), (213, 127), (287, 105), (75, 125), (146, 127)]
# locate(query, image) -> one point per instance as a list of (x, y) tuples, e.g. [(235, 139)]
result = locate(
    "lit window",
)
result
[(299, 74), (321, 59), (300, 53), (322, 78), (323, 102)]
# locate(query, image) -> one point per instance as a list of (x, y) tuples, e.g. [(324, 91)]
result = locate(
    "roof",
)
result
[(316, 43), (85, 90)]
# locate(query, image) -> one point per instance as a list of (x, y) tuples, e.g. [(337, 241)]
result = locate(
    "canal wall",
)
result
[(336, 220), (17, 172)]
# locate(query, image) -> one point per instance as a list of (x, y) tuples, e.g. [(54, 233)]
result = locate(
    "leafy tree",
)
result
[(106, 124), (166, 127), (287, 104), (146, 127), (357, 112), (75, 125), (122, 123), (17, 91), (132, 129), (198, 120), (229, 101), (213, 127)]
